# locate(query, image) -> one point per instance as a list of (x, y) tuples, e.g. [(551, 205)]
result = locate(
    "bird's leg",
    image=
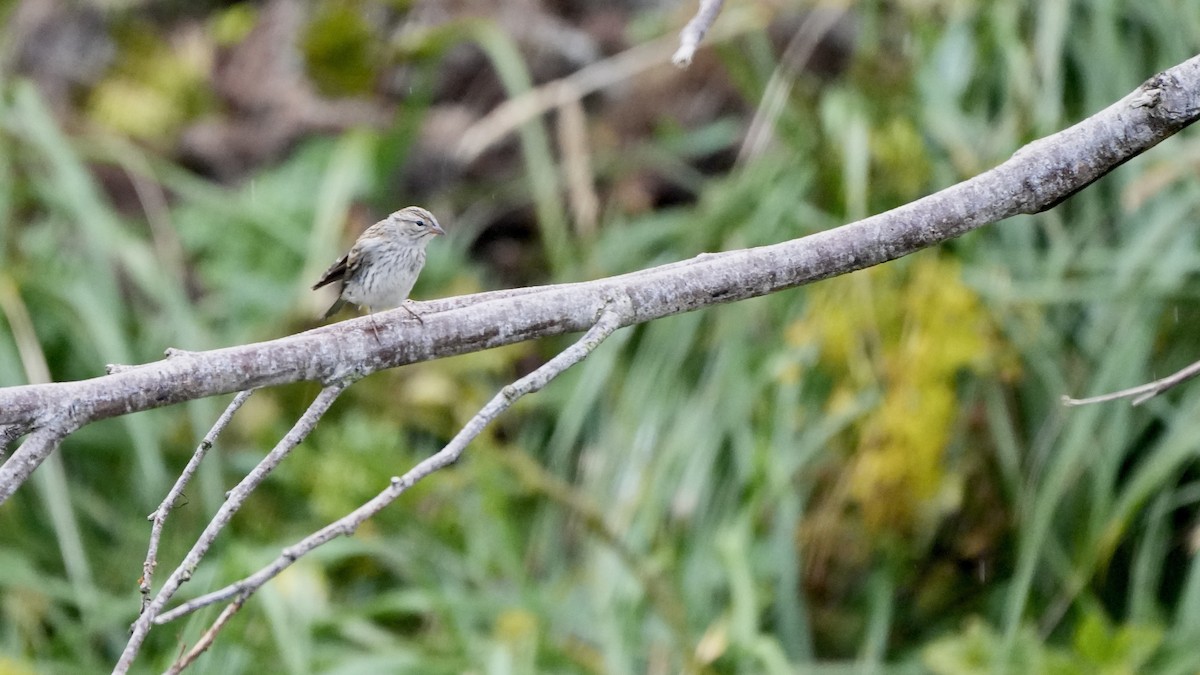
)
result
[(374, 326)]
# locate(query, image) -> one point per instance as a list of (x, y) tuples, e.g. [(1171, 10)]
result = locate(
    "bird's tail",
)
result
[(334, 309)]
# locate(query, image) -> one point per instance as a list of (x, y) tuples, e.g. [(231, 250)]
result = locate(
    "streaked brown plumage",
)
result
[(380, 269)]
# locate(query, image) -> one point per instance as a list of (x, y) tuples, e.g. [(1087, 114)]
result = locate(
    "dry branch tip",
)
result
[(1141, 393), (694, 31)]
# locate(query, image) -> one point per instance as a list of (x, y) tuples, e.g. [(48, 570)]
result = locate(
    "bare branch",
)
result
[(206, 639), (1035, 178), (694, 31), (236, 497), (1141, 393), (615, 314), (159, 517)]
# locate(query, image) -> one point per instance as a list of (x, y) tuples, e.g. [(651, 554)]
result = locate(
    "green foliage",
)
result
[(338, 50), (1097, 647), (870, 473), (155, 87)]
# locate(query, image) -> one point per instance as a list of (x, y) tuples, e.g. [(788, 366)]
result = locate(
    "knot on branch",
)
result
[(617, 305), (9, 433), (346, 375), (1167, 98)]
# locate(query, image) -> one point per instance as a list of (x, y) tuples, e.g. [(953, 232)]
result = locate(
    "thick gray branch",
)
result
[(1034, 179), (9, 433)]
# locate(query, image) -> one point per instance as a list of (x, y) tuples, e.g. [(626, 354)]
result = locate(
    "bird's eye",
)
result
[(420, 223)]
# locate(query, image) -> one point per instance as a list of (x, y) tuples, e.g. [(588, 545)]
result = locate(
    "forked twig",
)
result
[(159, 517), (615, 315), (236, 497), (9, 433), (1141, 393), (36, 448)]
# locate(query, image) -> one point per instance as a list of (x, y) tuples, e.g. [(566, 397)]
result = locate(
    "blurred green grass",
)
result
[(692, 496)]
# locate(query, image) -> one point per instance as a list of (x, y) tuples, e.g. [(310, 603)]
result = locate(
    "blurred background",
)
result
[(870, 473)]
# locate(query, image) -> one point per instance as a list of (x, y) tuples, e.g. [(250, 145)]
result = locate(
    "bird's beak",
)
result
[(437, 229)]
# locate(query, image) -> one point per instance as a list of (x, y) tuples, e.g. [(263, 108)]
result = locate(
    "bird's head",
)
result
[(416, 224)]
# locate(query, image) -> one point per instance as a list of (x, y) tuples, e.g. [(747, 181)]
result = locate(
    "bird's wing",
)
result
[(336, 272), (348, 264)]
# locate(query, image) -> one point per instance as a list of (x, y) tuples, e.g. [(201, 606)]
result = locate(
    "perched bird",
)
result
[(382, 266)]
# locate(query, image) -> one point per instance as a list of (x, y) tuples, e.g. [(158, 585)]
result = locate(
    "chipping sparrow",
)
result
[(382, 266)]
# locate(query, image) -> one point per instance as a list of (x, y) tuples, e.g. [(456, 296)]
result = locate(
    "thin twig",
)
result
[(206, 639), (511, 114), (159, 517), (236, 497), (693, 32), (1141, 393), (616, 314)]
